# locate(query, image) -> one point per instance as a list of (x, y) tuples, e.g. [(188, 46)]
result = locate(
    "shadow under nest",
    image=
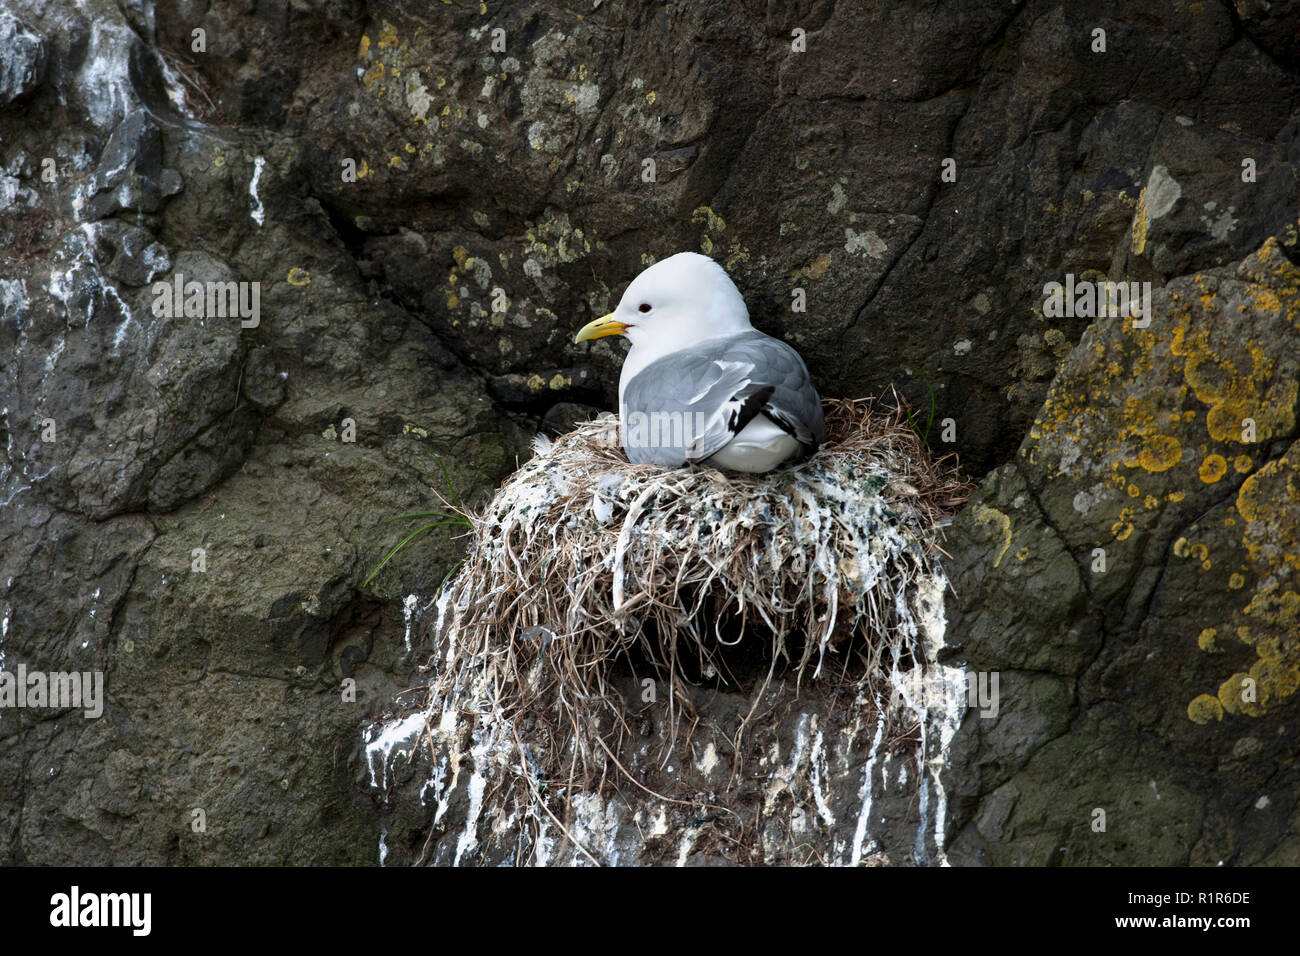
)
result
[(586, 573)]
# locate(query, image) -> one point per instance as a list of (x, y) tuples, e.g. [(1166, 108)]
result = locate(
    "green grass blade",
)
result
[(401, 544), (429, 514), (446, 577), (445, 520), (446, 476)]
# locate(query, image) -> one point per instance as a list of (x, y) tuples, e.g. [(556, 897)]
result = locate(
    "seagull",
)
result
[(700, 385)]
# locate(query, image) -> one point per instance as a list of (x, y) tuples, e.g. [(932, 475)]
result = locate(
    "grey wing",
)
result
[(686, 406), (794, 404)]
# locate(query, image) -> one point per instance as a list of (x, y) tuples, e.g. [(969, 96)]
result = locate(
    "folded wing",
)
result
[(686, 406)]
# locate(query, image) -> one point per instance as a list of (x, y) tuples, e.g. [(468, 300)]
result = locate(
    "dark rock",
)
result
[(1274, 26), (563, 416), (129, 175), (138, 258), (22, 59), (1159, 481), (422, 312)]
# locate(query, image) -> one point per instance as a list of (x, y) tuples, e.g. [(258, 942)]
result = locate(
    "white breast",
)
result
[(759, 446)]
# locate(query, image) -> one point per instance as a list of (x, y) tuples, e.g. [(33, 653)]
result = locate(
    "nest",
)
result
[(584, 566)]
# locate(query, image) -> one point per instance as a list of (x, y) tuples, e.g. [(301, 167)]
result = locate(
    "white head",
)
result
[(684, 299)]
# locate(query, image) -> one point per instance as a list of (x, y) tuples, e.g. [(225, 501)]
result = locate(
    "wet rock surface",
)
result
[(428, 219)]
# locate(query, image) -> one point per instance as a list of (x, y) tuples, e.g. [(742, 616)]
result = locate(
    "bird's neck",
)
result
[(668, 341)]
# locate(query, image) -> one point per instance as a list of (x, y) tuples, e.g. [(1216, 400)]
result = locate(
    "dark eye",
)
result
[(645, 307)]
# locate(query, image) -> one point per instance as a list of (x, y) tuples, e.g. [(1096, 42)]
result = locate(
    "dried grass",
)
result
[(583, 563)]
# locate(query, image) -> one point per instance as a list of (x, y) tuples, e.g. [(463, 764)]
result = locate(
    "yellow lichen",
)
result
[(815, 269), (1269, 501), (713, 222), (1204, 709), (1239, 694), (373, 74), (1209, 383), (1140, 224), (1235, 390), (1213, 468), (984, 515)]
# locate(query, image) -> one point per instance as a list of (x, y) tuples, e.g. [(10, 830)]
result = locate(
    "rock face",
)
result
[(182, 508), (1133, 575), (430, 198)]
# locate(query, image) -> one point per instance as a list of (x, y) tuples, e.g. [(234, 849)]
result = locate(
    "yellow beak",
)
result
[(605, 325)]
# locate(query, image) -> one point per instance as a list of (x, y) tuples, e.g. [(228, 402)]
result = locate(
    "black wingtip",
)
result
[(750, 407)]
